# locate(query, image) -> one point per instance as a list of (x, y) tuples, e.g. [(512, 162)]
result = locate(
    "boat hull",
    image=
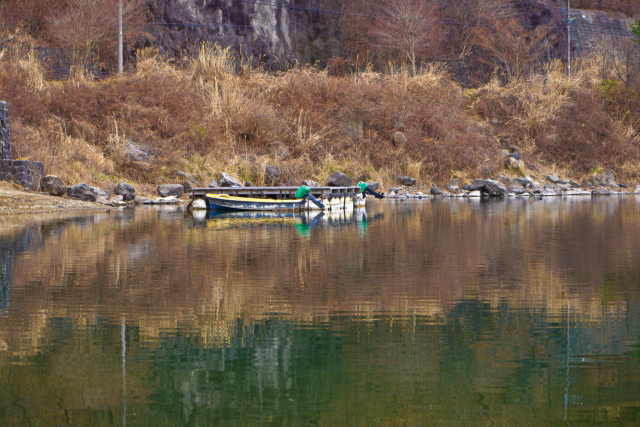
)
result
[(223, 202)]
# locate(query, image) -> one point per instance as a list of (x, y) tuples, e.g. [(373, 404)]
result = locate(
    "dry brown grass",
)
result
[(214, 113), (558, 120)]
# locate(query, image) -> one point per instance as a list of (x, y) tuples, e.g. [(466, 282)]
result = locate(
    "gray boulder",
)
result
[(399, 139), (99, 192), (309, 183), (405, 180), (494, 188), (166, 190), (516, 187), (489, 187), (476, 185), (436, 191), (526, 183), (248, 184), (187, 185), (186, 176), (610, 179), (137, 152), (553, 178), (515, 165), (227, 180), (81, 192), (213, 183), (53, 185), (373, 186), (340, 179), (272, 174), (126, 191)]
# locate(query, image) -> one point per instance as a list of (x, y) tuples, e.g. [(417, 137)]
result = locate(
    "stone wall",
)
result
[(5, 133), (26, 173)]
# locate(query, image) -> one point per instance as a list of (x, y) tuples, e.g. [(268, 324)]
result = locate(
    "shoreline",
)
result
[(15, 202)]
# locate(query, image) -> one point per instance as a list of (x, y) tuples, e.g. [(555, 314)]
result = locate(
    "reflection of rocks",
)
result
[(6, 279), (10, 246)]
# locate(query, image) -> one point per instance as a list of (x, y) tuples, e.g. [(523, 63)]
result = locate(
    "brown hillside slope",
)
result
[(205, 118)]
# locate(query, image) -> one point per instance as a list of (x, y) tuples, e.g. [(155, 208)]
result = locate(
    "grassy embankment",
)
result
[(204, 116)]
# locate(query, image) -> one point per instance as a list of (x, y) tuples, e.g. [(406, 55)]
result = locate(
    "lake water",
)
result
[(415, 313)]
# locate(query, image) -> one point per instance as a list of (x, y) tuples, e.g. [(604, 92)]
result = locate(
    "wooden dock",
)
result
[(276, 192), (332, 197)]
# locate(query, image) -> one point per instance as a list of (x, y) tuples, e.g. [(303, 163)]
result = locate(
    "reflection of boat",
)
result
[(307, 219), (222, 220), (235, 203)]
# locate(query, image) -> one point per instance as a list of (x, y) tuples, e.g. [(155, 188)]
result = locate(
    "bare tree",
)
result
[(626, 60), (408, 28), (464, 16), (515, 48), (86, 26)]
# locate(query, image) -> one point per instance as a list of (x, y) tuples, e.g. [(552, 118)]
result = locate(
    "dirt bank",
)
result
[(14, 201)]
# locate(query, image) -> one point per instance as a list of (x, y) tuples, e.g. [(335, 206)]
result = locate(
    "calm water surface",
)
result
[(419, 313)]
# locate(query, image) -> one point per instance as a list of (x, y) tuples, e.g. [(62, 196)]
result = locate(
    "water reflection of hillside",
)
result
[(422, 259)]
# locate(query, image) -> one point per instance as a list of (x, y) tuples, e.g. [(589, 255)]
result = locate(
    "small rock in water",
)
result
[(475, 193), (309, 183)]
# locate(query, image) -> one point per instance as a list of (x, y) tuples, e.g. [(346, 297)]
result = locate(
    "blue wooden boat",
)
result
[(225, 202)]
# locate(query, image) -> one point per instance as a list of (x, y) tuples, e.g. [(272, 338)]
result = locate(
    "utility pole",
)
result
[(120, 53), (568, 37)]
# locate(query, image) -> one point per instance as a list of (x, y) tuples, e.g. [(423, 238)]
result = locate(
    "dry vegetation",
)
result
[(213, 113)]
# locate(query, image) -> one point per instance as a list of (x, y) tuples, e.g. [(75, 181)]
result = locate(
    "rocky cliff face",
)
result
[(280, 32)]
